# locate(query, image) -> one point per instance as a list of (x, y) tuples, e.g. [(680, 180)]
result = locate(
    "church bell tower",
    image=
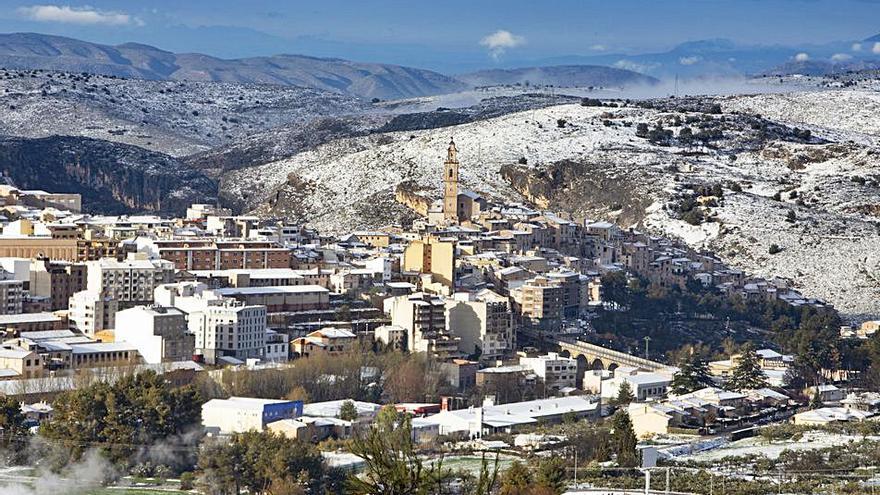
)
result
[(450, 184)]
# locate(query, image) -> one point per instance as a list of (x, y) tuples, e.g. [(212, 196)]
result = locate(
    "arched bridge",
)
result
[(592, 356)]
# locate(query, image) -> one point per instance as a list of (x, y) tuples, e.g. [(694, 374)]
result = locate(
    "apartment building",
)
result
[(212, 254), (432, 256), (483, 323), (12, 296), (226, 327), (538, 304), (557, 372), (160, 334), (130, 282), (281, 299), (424, 317), (56, 280), (91, 312)]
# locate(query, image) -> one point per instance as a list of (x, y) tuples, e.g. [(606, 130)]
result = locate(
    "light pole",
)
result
[(647, 341)]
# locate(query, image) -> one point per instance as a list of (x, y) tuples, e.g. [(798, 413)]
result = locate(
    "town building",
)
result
[(243, 414), (424, 317), (130, 282), (91, 312), (226, 327), (557, 372), (325, 342), (482, 322), (160, 334), (56, 280)]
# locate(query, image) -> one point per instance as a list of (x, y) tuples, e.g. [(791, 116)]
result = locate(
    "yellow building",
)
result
[(38, 247), (27, 364), (433, 256)]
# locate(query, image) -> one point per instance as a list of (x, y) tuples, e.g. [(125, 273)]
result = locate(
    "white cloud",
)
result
[(801, 57), (840, 57), (77, 15), (690, 60), (634, 66), (598, 47), (500, 41), (876, 49), (856, 47)]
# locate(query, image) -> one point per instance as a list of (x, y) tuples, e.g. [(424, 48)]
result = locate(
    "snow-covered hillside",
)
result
[(176, 118), (828, 244)]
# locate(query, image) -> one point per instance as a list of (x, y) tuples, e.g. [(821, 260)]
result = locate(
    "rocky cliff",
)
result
[(112, 178)]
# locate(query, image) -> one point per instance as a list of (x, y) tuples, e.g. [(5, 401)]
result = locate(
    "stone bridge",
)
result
[(596, 357)]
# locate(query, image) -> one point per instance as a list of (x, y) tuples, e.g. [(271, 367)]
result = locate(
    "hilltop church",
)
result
[(458, 205)]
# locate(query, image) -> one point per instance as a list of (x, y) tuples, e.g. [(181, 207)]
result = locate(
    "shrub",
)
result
[(187, 481), (693, 217)]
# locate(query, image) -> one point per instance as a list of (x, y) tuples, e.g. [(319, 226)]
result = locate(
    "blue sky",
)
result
[(449, 35)]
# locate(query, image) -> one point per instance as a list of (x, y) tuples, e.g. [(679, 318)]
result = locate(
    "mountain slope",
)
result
[(112, 178), (590, 162), (559, 75), (38, 51), (177, 118), (285, 141)]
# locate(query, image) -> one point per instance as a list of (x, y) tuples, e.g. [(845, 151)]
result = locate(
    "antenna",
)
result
[(676, 85)]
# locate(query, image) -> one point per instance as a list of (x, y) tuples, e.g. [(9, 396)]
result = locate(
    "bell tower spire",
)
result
[(450, 183)]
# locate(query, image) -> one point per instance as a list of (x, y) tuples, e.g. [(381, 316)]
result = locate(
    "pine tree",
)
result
[(747, 374), (623, 439), (516, 480), (692, 375), (348, 411), (551, 475), (624, 395)]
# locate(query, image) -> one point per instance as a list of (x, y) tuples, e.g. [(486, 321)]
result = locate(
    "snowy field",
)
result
[(759, 446)]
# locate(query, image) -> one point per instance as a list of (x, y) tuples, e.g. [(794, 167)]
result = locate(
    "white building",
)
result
[(644, 385), (476, 421), (227, 327), (827, 415), (242, 414), (12, 295), (131, 281), (556, 371), (159, 333), (392, 336), (424, 317), (482, 321), (91, 312), (277, 346), (331, 408)]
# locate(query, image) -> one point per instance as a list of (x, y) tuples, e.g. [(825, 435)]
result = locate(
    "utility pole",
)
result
[(575, 467), (647, 341)]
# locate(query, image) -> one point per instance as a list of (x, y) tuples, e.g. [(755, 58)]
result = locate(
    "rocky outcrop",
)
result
[(112, 178), (582, 188), (407, 194)]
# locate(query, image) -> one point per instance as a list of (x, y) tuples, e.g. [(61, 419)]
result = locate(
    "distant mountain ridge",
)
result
[(369, 80), (559, 75)]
